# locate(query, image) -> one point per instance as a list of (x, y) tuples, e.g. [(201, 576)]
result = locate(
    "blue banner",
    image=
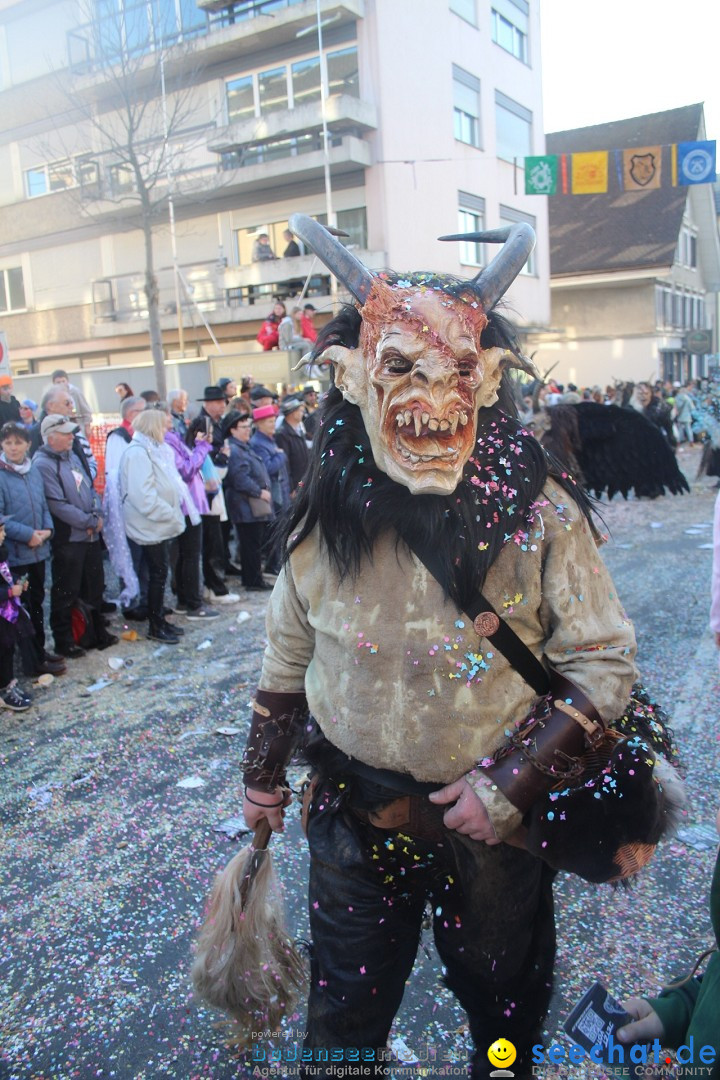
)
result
[(696, 163)]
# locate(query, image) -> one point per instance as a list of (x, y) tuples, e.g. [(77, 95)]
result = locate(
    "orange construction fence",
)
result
[(97, 440)]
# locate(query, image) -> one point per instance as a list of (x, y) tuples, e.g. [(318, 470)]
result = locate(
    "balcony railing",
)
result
[(222, 294), (344, 115), (220, 28)]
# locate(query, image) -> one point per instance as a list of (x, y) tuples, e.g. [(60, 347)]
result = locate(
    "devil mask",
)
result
[(419, 373)]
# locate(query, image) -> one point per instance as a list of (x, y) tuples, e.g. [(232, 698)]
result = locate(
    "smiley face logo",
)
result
[(502, 1053)]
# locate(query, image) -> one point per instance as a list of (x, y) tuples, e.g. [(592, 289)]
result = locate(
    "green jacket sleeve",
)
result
[(675, 1009)]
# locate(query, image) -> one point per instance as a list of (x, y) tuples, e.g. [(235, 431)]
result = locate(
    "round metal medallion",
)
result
[(486, 623)]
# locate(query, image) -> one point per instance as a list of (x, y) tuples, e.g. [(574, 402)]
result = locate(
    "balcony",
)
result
[(242, 28), (343, 113), (267, 171), (222, 294)]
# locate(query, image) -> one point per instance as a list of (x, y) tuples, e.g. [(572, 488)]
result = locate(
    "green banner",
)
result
[(541, 175)]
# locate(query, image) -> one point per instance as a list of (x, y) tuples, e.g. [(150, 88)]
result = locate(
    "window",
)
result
[(342, 72), (466, 107), (134, 27), (36, 182), (272, 85), (663, 306), (306, 81), (61, 175), (240, 99), (508, 216), (354, 223), (12, 290), (510, 27), (88, 175), (687, 248), (122, 180), (272, 90), (471, 218), (465, 9), (513, 128)]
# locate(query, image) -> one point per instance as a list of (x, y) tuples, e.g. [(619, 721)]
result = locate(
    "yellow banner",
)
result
[(590, 173), (642, 168)]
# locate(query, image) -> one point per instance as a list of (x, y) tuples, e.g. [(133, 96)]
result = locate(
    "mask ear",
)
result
[(350, 373), (487, 393)]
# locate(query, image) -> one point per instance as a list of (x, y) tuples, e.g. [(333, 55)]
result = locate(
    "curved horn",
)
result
[(495, 279), (343, 264)]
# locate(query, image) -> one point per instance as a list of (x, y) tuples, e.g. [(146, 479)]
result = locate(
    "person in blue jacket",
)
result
[(28, 530), (247, 478), (275, 460)]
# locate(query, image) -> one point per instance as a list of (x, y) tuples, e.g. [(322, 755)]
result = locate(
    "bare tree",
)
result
[(135, 91)]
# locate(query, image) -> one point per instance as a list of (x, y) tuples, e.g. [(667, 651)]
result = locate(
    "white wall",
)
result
[(419, 167)]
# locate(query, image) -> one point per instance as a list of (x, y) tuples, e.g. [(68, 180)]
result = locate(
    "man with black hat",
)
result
[(290, 437), (260, 396), (209, 421)]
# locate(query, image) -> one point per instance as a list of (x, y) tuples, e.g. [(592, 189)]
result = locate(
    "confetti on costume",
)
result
[(404, 695)]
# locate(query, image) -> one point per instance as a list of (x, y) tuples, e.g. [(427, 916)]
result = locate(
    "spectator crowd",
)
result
[(190, 497)]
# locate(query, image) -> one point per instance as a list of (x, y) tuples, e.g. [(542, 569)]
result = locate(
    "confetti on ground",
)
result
[(107, 865)]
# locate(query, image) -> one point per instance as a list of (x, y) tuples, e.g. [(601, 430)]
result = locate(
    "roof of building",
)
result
[(620, 230)]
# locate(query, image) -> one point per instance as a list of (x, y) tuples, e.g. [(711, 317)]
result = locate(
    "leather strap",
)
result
[(492, 628)]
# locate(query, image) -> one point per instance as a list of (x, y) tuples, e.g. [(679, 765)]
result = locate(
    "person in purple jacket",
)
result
[(186, 549)]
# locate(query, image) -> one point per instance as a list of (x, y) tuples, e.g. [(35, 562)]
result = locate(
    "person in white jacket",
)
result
[(151, 498)]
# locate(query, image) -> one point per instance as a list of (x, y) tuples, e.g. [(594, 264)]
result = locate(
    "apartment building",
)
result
[(397, 120)]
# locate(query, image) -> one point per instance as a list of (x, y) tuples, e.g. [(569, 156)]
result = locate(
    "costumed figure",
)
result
[(431, 749), (609, 448), (706, 424)]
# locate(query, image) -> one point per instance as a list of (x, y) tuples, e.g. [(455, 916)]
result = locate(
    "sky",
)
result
[(622, 58)]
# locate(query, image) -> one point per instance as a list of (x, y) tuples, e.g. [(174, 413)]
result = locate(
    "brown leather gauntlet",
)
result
[(548, 748), (275, 729)]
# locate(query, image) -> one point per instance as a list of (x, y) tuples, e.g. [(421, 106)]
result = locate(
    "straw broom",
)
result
[(246, 966)]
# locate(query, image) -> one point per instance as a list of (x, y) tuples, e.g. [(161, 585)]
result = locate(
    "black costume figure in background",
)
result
[(401, 698), (609, 449)]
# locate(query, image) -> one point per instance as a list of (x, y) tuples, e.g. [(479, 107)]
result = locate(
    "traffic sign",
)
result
[(699, 341)]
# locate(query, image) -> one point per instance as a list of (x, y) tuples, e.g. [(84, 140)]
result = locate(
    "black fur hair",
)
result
[(353, 502)]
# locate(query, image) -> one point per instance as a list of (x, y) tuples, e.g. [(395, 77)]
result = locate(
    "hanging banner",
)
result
[(590, 173), (541, 175), (637, 168), (642, 168), (696, 163)]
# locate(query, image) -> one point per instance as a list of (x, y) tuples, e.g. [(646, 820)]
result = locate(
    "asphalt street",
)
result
[(116, 788)]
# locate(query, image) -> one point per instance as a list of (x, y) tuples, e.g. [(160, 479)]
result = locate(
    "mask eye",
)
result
[(467, 367), (397, 364)]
